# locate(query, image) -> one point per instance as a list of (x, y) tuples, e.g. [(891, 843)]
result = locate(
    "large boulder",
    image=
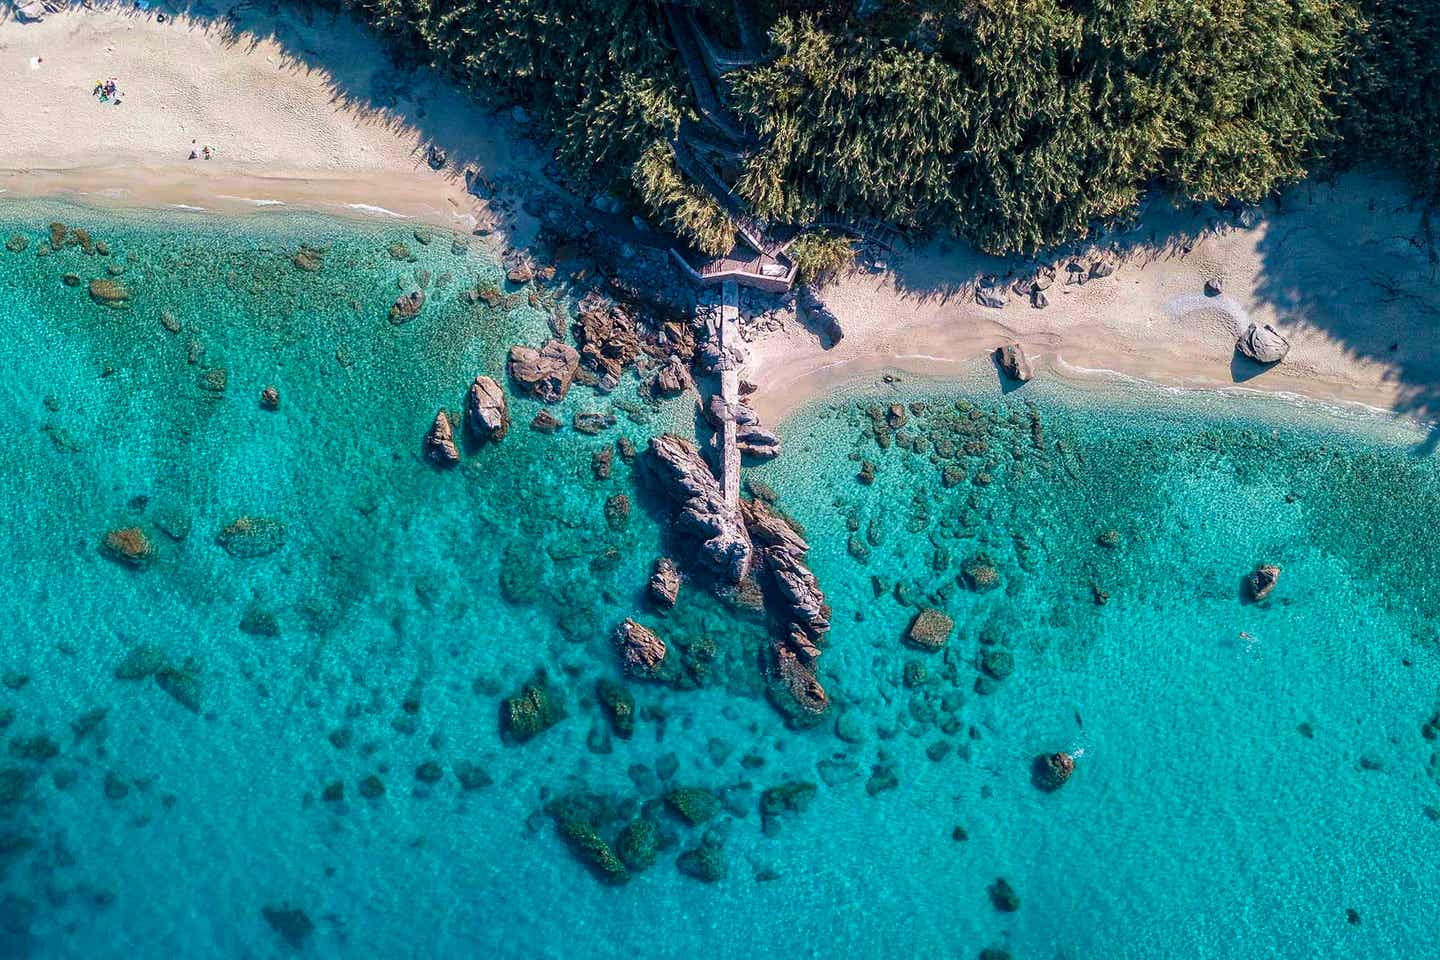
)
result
[(665, 582), (487, 415), (546, 373), (702, 512), (930, 630), (1049, 771), (641, 649), (1013, 361), (407, 307), (672, 379), (1263, 344), (1262, 581), (439, 444)]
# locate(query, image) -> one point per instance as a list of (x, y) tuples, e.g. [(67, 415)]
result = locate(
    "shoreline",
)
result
[(794, 375)]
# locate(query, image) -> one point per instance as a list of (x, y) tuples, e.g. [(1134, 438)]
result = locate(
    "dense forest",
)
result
[(1015, 124)]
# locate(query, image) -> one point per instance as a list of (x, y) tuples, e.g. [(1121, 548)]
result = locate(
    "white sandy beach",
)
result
[(305, 111)]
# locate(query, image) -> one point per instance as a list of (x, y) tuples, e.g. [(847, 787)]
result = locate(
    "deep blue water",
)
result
[(1247, 773)]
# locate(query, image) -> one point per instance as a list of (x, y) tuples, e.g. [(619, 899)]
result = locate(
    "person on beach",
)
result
[(205, 153)]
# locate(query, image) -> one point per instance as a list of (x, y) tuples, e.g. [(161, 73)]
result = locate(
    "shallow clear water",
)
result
[(1246, 774)]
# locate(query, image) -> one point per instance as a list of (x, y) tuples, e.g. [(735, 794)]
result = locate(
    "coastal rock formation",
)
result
[(546, 373), (407, 306), (1050, 771), (702, 513), (1013, 361), (800, 604), (487, 415), (930, 630), (1262, 581), (641, 650), (665, 582), (1263, 344), (439, 444)]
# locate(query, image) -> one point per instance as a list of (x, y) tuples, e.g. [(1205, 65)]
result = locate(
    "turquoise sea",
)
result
[(299, 752)]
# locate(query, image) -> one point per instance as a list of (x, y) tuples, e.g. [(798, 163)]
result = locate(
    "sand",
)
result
[(303, 110)]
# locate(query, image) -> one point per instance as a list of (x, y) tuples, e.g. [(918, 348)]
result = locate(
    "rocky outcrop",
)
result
[(665, 583), (545, 373), (1263, 581), (672, 379), (1050, 771), (1013, 361), (487, 415), (439, 444), (407, 307), (1263, 344), (607, 337), (701, 511), (799, 603), (641, 650)]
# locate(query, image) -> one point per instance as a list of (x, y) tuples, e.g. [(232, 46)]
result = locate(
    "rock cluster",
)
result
[(701, 511), (607, 337), (545, 373)]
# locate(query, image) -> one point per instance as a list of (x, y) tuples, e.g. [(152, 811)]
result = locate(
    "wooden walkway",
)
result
[(732, 347)]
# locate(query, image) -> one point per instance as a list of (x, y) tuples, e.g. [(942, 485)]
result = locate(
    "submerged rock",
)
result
[(694, 805), (292, 924), (270, 398), (1013, 361), (142, 661), (128, 545), (249, 537), (638, 845), (180, 684), (1002, 896), (1262, 581), (487, 414), (1050, 771), (930, 630), (546, 373), (532, 711), (109, 292), (545, 422), (705, 862), (1263, 344), (619, 707), (439, 443)]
